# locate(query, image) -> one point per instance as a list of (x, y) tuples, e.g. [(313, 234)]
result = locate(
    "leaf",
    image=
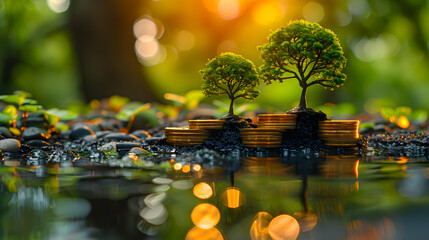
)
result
[(419, 116), (62, 126), (12, 99), (30, 108), (64, 115), (10, 110), (30, 101), (4, 118), (15, 131), (387, 113), (179, 100), (366, 125), (116, 103), (193, 98), (52, 119)]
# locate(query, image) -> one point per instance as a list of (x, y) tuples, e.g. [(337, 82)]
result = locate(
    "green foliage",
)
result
[(14, 99), (64, 115), (393, 114), (116, 103), (366, 125), (232, 75), (304, 51), (189, 101), (131, 110)]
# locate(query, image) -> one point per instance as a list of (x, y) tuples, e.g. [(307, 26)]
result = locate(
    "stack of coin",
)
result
[(183, 136), (279, 121), (339, 133), (261, 137), (209, 124)]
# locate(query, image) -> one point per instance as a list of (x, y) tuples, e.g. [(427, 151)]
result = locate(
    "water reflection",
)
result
[(205, 216)]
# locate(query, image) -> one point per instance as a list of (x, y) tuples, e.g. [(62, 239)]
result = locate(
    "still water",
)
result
[(257, 196)]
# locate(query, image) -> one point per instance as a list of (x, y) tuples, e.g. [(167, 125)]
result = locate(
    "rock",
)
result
[(90, 139), (126, 145), (5, 132), (36, 120), (142, 134), (37, 143), (101, 134), (34, 133), (109, 147), (120, 137), (153, 140), (10, 145), (80, 132), (140, 151)]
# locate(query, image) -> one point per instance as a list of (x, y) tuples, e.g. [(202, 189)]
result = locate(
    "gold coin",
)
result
[(207, 121), (257, 130)]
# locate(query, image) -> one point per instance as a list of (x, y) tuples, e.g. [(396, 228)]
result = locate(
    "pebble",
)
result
[(153, 140), (126, 145), (37, 143), (80, 132), (140, 151), (10, 145), (101, 134), (109, 147), (90, 139), (34, 133), (5, 132), (142, 134), (120, 137)]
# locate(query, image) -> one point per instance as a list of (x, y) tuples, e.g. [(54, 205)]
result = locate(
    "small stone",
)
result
[(34, 133), (80, 132), (10, 145), (101, 134), (37, 143), (126, 145), (109, 147), (90, 139), (5, 132), (153, 140), (142, 134), (138, 151), (120, 137)]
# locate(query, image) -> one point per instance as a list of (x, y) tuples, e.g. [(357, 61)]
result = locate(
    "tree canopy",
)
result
[(304, 51), (232, 75)]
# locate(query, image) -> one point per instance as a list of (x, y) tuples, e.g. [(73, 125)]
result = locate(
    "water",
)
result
[(285, 195)]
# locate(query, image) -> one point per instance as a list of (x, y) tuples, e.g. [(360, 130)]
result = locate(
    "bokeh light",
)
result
[(177, 166), (267, 13), (203, 190), (313, 12), (146, 47), (284, 227), (205, 215), (259, 228), (197, 233), (233, 198), (186, 168), (228, 9), (307, 220), (403, 122), (145, 26), (58, 6), (185, 40)]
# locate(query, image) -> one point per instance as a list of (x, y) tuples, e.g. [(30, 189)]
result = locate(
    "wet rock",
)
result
[(140, 151), (10, 145), (120, 137), (37, 143), (90, 139), (142, 134), (153, 140), (101, 134), (5, 132), (36, 120), (109, 147), (34, 133), (126, 145), (80, 132)]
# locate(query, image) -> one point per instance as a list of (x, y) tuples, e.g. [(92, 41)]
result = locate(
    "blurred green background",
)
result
[(66, 51)]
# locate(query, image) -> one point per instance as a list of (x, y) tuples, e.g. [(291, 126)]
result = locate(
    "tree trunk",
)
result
[(303, 101), (231, 107)]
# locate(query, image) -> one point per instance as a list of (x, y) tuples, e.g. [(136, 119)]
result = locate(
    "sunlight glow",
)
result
[(259, 228), (267, 13), (228, 9), (202, 190), (177, 166), (185, 40), (186, 168), (146, 46), (197, 233), (145, 26), (403, 122), (313, 12), (284, 227), (196, 167), (205, 216), (58, 6)]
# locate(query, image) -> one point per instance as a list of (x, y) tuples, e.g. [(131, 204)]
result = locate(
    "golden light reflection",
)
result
[(233, 198), (205, 216), (259, 228), (267, 13), (283, 227), (228, 9), (313, 12), (403, 122), (196, 167), (307, 220), (402, 160), (202, 190), (357, 169), (392, 119), (197, 233), (177, 166), (186, 168)]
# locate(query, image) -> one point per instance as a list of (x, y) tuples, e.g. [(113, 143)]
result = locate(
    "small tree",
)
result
[(233, 75), (304, 51)]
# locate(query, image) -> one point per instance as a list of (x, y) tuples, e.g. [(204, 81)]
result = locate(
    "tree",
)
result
[(233, 75), (304, 51)]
